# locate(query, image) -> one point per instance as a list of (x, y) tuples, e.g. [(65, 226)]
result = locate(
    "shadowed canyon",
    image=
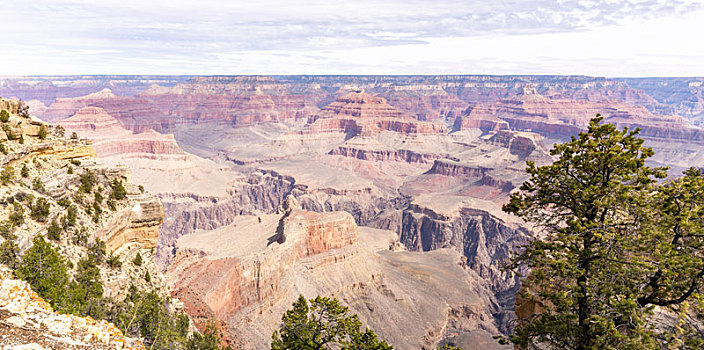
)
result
[(382, 191)]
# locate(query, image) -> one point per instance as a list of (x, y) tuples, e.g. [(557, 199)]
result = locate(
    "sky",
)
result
[(613, 38)]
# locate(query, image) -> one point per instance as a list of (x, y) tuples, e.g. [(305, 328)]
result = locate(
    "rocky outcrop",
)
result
[(29, 322), (250, 272), (110, 138), (400, 155), (257, 279), (358, 113), (520, 144)]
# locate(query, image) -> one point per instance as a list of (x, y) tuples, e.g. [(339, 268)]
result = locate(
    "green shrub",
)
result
[(98, 197), (74, 136), (54, 231), (9, 132), (23, 110), (7, 175), (80, 237), (114, 262), (147, 277), (87, 181), (71, 214), (75, 162), (42, 132), (137, 259), (209, 340), (111, 204), (4, 116), (21, 139), (3, 149), (59, 131), (141, 188), (118, 190), (69, 171), (37, 185), (97, 251), (17, 215), (45, 270), (10, 253), (25, 171), (40, 209)]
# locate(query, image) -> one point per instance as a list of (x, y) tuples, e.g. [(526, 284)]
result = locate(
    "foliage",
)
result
[(74, 136), (7, 175), (40, 209), (38, 185), (137, 261), (16, 217), (323, 324), (9, 132), (449, 347), (145, 314), (80, 237), (59, 131), (23, 109), (114, 262), (20, 139), (9, 252), (147, 277), (98, 197), (75, 162), (4, 116), (141, 188), (209, 340), (88, 179), (97, 251), (45, 270), (25, 171), (69, 220), (86, 291), (42, 132), (118, 190), (615, 245), (69, 170), (53, 232), (3, 150)]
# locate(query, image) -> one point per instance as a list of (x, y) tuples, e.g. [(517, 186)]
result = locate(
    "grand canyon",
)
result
[(384, 192)]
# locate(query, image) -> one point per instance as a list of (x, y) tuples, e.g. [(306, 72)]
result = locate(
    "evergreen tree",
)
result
[(45, 270), (118, 190), (53, 232), (323, 324), (614, 244)]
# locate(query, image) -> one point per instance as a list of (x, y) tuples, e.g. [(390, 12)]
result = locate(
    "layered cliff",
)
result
[(249, 272), (359, 113)]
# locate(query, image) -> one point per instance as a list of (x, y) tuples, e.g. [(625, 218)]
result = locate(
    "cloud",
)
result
[(124, 36)]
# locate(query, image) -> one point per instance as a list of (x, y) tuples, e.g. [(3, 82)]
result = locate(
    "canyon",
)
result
[(384, 192)]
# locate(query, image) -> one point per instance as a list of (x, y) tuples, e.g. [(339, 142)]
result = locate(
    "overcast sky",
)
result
[(602, 38)]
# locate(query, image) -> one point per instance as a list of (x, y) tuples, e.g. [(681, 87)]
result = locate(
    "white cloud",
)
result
[(654, 37)]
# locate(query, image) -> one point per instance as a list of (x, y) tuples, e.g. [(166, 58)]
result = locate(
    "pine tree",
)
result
[(45, 270), (614, 244), (323, 324)]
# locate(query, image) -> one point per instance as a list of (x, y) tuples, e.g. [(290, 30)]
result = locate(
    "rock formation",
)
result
[(249, 272), (358, 113), (242, 145)]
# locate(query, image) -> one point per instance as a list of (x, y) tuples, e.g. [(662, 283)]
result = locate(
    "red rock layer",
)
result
[(358, 113), (224, 286)]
